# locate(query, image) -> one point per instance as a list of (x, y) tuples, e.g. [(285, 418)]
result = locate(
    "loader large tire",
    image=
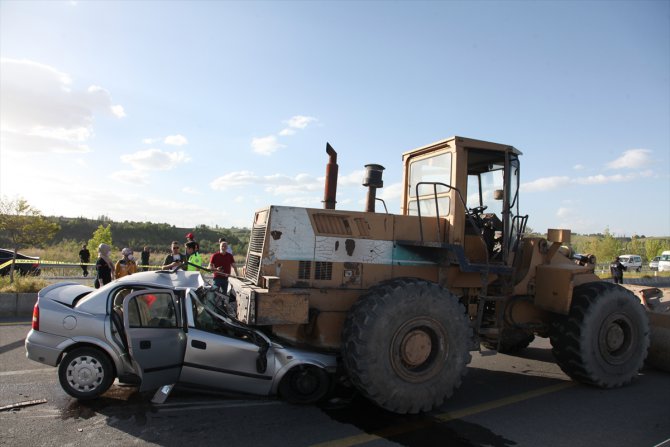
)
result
[(406, 345), (604, 340)]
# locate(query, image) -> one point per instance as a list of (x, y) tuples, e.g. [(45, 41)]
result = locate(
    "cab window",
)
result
[(435, 169)]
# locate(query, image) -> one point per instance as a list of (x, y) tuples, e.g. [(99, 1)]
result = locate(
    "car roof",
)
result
[(181, 279)]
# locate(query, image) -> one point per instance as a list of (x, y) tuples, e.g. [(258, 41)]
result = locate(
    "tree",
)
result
[(103, 235), (24, 226)]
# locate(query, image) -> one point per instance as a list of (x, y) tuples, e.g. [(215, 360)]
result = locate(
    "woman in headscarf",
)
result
[(126, 265), (104, 266)]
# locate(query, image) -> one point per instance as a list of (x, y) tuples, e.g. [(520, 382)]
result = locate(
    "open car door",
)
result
[(156, 340)]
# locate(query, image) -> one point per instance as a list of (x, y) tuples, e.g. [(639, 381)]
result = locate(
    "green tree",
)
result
[(24, 226), (103, 235), (607, 247), (637, 246), (654, 247)]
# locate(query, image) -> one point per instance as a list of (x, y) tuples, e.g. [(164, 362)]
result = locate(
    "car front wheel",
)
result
[(85, 373)]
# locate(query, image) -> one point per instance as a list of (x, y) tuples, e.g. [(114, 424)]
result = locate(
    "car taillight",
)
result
[(36, 317)]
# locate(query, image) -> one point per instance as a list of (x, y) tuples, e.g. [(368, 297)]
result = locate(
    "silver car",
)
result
[(161, 328)]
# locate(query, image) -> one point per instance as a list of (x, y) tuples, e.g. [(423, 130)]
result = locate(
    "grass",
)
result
[(21, 284)]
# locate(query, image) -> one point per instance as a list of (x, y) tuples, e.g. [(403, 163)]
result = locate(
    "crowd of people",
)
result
[(221, 263)]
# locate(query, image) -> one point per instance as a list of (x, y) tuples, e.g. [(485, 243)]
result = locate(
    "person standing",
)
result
[(221, 263), (104, 266), (126, 265), (190, 237), (616, 269), (144, 257), (223, 239), (175, 258), (193, 257), (84, 258)]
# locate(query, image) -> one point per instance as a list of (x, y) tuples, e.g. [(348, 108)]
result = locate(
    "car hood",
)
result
[(65, 292)]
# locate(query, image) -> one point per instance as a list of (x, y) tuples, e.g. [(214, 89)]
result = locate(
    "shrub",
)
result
[(21, 284)]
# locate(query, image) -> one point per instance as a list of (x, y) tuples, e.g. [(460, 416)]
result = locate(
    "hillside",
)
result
[(139, 234)]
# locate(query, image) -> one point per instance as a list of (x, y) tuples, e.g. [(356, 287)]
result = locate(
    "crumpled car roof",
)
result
[(179, 279)]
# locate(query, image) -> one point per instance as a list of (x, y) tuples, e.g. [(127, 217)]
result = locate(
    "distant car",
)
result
[(631, 262), (653, 264), (160, 328), (32, 268), (664, 262)]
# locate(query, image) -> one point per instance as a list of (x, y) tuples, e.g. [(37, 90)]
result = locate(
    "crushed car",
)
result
[(157, 329)]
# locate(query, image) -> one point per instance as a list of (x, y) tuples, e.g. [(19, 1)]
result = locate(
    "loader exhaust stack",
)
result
[(330, 190), (373, 180)]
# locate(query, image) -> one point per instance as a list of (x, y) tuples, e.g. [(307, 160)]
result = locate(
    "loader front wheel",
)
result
[(604, 339), (405, 345)]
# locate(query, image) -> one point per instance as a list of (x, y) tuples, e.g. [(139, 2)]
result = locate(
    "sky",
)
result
[(201, 112)]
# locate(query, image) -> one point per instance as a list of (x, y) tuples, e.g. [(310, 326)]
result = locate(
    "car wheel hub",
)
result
[(85, 373)]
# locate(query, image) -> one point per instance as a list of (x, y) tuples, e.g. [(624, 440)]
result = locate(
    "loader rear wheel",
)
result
[(405, 345), (604, 340)]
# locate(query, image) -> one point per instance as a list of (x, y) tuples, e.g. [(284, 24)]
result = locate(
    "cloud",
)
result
[(551, 183), (176, 140), (130, 177), (266, 145), (100, 98), (155, 159), (42, 112), (631, 159), (190, 190), (578, 167), (277, 184), (297, 122), (545, 184)]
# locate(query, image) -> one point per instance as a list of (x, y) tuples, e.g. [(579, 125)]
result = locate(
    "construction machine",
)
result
[(404, 298)]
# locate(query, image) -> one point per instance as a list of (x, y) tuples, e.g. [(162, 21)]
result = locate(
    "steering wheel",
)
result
[(477, 210)]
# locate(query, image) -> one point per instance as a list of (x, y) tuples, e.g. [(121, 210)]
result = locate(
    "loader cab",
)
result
[(472, 184)]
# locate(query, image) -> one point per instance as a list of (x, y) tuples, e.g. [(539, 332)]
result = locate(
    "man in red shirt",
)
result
[(221, 264)]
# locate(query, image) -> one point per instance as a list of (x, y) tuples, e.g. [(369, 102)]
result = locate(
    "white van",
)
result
[(664, 262), (631, 262)]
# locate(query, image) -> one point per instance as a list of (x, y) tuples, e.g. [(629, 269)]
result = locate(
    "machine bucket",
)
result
[(659, 348)]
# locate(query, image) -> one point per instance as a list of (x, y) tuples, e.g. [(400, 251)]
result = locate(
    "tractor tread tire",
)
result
[(371, 334), (579, 339)]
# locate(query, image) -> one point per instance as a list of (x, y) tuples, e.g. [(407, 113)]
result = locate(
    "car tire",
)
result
[(85, 373), (305, 384)]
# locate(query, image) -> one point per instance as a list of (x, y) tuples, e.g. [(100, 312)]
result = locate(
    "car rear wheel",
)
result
[(305, 384), (85, 373)]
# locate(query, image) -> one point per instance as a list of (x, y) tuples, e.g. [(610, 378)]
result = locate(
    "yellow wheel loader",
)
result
[(403, 299)]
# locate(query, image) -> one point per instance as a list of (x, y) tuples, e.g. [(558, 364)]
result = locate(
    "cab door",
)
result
[(156, 340)]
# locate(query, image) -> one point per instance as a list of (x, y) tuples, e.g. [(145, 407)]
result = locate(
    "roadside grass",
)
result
[(21, 284)]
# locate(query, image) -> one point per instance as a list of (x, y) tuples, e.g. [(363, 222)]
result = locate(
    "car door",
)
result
[(156, 340), (222, 360)]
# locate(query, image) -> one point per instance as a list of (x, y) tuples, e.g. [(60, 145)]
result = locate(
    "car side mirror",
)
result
[(498, 194)]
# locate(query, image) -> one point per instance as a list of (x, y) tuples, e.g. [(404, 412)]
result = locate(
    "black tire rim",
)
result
[(419, 349), (616, 339)]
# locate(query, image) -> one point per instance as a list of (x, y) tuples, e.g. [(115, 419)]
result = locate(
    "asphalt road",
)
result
[(504, 401)]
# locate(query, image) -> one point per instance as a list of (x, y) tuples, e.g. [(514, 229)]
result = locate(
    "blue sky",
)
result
[(201, 112)]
